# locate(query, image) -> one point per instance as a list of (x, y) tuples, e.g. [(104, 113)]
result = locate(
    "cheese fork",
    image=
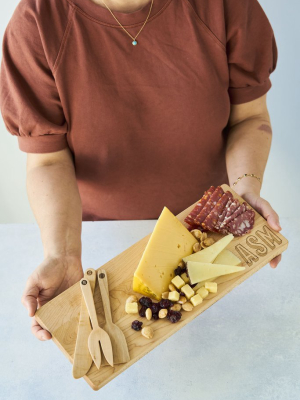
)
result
[(97, 335)]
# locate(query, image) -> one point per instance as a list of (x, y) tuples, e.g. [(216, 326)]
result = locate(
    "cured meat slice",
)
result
[(242, 224), (215, 197), (211, 220), (241, 208), (199, 206), (233, 206), (224, 212)]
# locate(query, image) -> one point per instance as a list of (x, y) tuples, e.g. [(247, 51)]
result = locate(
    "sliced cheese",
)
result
[(199, 272), (169, 243), (226, 257), (209, 254)]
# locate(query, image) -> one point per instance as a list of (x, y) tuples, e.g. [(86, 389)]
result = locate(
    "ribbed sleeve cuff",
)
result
[(249, 93), (43, 143)]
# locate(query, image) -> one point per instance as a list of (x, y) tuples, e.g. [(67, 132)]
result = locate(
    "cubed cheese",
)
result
[(212, 287), (188, 291), (178, 282), (203, 292), (174, 296), (195, 300)]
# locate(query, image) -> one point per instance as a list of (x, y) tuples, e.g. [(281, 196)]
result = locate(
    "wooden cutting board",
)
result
[(60, 316)]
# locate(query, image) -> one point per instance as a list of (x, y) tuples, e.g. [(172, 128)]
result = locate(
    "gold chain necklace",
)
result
[(134, 38)]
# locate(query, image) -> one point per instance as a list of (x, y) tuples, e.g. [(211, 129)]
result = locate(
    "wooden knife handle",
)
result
[(91, 275), (103, 285), (82, 358), (89, 301)]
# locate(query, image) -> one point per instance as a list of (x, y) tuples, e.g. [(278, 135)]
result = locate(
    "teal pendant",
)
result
[(134, 42)]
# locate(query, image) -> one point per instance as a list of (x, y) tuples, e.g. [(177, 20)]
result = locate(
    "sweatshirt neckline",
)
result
[(137, 17)]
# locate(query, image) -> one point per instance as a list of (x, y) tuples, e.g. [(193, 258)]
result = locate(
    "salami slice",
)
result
[(199, 206), (215, 197), (233, 206), (224, 212), (210, 221), (242, 224), (241, 208)]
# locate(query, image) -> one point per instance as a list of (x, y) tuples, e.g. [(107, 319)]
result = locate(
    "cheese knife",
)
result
[(82, 357)]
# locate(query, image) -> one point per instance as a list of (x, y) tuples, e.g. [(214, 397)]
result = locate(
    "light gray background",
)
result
[(281, 184)]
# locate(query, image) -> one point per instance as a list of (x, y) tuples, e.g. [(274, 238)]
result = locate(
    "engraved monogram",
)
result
[(258, 245)]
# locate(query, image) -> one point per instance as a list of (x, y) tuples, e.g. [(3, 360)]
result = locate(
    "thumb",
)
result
[(265, 209), (29, 297)]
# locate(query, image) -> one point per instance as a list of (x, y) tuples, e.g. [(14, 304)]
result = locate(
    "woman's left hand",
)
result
[(266, 210)]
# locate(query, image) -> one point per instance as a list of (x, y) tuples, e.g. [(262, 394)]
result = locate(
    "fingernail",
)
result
[(43, 338)]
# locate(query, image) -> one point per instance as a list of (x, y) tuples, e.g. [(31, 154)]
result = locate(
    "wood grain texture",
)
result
[(60, 315)]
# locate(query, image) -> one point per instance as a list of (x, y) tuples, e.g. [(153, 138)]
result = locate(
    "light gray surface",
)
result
[(283, 103), (246, 346)]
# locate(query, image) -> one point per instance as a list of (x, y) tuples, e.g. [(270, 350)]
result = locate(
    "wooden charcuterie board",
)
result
[(61, 315)]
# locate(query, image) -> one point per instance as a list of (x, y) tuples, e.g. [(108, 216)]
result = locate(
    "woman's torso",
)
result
[(145, 122)]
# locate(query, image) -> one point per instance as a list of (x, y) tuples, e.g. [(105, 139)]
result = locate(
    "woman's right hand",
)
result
[(51, 277)]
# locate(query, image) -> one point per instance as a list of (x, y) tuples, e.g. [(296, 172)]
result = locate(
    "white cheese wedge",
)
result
[(226, 257), (169, 243), (199, 272), (209, 254)]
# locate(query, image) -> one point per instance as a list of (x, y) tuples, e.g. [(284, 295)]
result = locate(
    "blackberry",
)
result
[(136, 325)]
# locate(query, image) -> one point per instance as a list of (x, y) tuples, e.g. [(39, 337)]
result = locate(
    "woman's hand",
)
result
[(266, 210), (51, 277)]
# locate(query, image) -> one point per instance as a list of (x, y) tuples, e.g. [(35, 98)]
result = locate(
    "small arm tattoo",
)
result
[(265, 128)]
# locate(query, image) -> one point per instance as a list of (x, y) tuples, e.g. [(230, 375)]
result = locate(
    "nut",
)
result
[(187, 306), (204, 236), (148, 332), (172, 288), (196, 247), (132, 299), (207, 242), (176, 307), (162, 313), (165, 295), (182, 300), (148, 314), (196, 233)]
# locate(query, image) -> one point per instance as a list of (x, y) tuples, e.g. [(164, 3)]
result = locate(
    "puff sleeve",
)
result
[(251, 50), (29, 99)]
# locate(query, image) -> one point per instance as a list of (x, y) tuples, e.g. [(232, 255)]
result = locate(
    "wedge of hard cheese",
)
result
[(228, 258), (199, 272), (209, 254), (169, 243)]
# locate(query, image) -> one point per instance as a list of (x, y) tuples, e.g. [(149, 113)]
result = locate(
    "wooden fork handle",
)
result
[(89, 300), (103, 285)]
